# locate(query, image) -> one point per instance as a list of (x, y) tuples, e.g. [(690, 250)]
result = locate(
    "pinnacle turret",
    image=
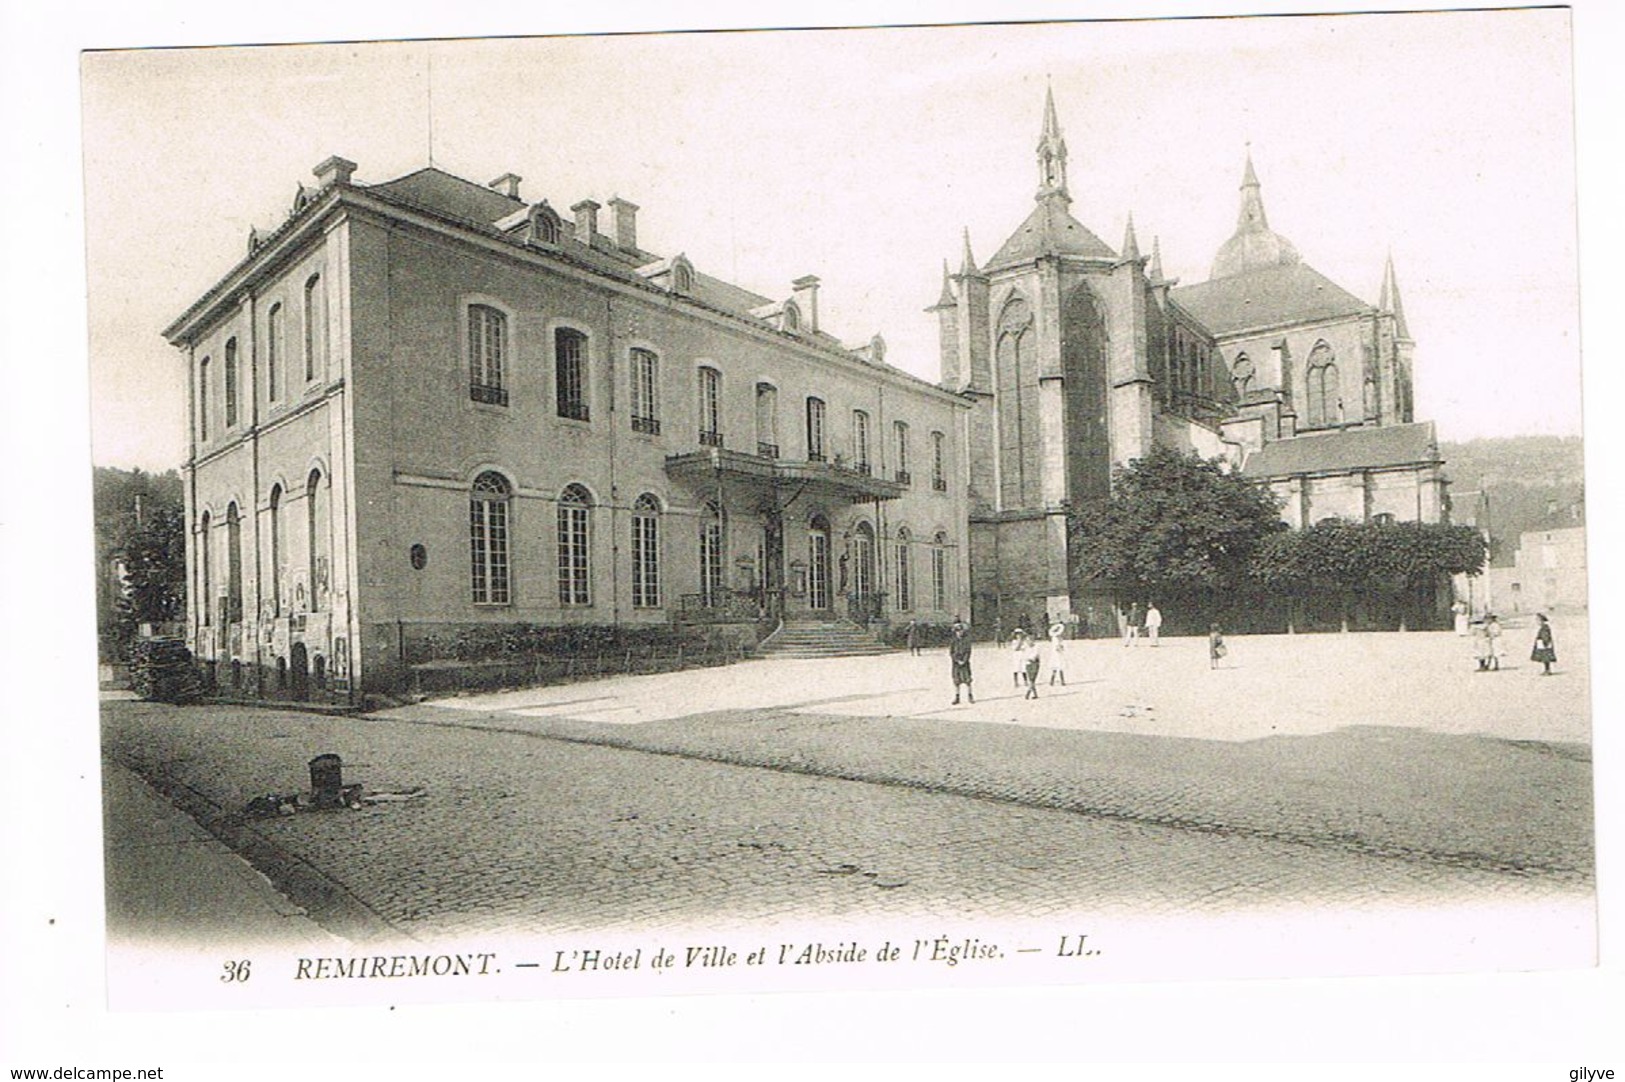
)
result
[(1389, 301), (1051, 155), (947, 298), (1154, 271), (1131, 245), (967, 260)]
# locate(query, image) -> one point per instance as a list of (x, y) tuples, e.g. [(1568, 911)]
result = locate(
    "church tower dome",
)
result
[(1254, 245)]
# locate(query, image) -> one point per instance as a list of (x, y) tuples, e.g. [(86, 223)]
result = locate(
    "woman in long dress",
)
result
[(1057, 653), (1545, 650)]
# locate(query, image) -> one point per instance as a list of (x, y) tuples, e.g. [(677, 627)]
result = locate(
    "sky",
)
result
[(861, 156)]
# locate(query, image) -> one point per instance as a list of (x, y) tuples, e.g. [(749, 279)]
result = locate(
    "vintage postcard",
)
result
[(932, 507)]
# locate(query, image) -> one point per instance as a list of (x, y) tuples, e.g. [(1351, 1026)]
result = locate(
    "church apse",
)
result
[(1083, 366)]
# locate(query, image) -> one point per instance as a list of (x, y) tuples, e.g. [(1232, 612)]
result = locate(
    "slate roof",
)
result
[(1346, 449), (1049, 230), (436, 190), (1294, 293)]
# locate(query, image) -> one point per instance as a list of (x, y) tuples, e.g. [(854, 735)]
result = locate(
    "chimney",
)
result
[(586, 213), (806, 297), (507, 184), (335, 170), (626, 223)]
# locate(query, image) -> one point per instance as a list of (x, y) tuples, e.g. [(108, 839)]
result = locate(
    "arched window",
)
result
[(1016, 384), (939, 571), (276, 549), (863, 561), (488, 538), (575, 560), (682, 278), (544, 224), (231, 382), (316, 533), (767, 420), (905, 577), (1241, 375), (711, 548), (315, 327), (900, 467), (487, 354), (710, 407), (1324, 398), (234, 565), (791, 320), (645, 392), (646, 552), (275, 346), (203, 399), (205, 569), (860, 441), (939, 464), (570, 373), (815, 430)]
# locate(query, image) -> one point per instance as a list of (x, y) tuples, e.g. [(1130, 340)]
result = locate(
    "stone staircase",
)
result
[(803, 636)]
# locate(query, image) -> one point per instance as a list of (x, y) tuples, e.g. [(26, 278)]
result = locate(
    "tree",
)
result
[(1392, 566), (140, 544), (1175, 525)]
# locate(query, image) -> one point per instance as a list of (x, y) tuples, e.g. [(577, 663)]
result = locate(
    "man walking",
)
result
[(1131, 626), (1153, 621), (959, 655)]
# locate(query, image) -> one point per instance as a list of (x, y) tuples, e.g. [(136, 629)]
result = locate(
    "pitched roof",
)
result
[(436, 190), (1346, 449), (1293, 293), (1049, 230)]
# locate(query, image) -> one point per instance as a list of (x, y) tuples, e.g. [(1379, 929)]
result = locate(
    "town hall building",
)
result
[(424, 409)]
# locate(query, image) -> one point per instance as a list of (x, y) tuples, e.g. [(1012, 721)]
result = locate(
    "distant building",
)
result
[(1549, 573), (1079, 358), (427, 407)]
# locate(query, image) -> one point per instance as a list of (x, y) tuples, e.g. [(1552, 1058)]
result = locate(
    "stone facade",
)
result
[(1079, 358), (450, 409)]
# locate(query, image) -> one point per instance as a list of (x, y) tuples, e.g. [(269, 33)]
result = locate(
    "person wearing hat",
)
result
[(1018, 656), (1057, 653), (959, 657), (1545, 650)]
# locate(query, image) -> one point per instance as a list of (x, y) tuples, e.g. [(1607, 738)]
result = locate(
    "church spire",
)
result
[(1251, 217), (1131, 245), (1390, 303), (1051, 154)]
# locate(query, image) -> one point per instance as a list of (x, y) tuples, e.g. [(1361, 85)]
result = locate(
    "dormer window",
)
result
[(682, 277), (790, 320), (545, 225)]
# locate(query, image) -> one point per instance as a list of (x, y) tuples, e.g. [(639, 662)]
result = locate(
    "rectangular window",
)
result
[(939, 578), (645, 397), (231, 382), (860, 441), (710, 407), (815, 430), (487, 354), (939, 468), (570, 373), (767, 420), (203, 399), (711, 560), (901, 468), (274, 348)]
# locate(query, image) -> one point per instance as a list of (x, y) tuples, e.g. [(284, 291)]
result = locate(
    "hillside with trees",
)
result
[(1529, 482), (140, 554)]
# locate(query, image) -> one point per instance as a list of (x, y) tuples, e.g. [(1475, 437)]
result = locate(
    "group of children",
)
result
[(1489, 645), (1027, 658)]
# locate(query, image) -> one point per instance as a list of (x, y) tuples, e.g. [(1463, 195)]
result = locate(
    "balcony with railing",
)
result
[(709, 438), (767, 450), (490, 395), (902, 477), (649, 426), (940, 484)]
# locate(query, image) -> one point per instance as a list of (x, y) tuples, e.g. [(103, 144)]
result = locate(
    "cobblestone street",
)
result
[(539, 818)]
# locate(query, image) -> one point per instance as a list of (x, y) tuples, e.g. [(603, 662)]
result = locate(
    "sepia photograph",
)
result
[(884, 509)]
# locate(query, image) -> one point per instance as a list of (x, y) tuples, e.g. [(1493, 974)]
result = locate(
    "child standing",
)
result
[(1215, 646), (1030, 661), (1057, 653)]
